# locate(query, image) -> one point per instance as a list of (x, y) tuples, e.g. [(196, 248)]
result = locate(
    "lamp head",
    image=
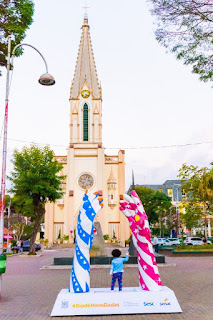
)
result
[(46, 79)]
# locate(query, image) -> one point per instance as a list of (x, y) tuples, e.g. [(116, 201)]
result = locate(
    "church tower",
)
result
[(86, 165), (85, 95)]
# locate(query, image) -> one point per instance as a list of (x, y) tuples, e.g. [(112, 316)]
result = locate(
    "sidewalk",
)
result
[(30, 293)]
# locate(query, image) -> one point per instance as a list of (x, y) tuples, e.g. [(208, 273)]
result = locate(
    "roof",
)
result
[(85, 70), (171, 182), (5, 231)]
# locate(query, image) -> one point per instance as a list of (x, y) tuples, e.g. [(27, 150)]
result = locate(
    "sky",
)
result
[(150, 99)]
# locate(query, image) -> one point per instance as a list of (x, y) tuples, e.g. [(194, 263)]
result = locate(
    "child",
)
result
[(117, 268)]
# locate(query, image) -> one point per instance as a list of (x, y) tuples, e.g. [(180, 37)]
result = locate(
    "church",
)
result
[(86, 165)]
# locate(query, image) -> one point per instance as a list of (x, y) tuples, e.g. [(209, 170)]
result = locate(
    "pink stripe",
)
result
[(149, 271)]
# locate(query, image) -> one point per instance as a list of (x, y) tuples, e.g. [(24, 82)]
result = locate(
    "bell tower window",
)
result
[(85, 123)]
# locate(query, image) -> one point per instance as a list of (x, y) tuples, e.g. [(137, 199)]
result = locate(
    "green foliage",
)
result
[(156, 204), (198, 186), (45, 242), (28, 230), (35, 180), (59, 234), (15, 19), (192, 217), (184, 247), (13, 242), (66, 237), (186, 29), (106, 237)]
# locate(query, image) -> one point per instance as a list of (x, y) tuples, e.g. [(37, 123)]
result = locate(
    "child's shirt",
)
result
[(117, 264)]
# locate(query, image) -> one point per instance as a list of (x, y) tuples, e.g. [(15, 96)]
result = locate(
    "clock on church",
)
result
[(85, 181), (85, 94)]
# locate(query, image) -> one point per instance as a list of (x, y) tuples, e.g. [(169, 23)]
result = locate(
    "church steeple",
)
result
[(85, 95), (85, 70)]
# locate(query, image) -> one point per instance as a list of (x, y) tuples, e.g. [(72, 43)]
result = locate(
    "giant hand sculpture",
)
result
[(149, 278), (80, 275)]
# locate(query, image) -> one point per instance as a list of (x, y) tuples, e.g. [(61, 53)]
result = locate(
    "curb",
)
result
[(101, 266)]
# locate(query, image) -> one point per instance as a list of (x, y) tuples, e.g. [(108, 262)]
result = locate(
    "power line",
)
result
[(126, 148)]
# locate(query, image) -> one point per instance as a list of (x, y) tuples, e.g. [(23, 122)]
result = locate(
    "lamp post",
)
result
[(45, 79)]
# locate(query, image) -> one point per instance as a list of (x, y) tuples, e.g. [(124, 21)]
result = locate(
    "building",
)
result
[(86, 165), (173, 189)]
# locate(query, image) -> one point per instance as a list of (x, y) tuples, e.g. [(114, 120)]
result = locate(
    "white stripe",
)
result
[(145, 256), (150, 283), (86, 223), (144, 240), (81, 275), (83, 247)]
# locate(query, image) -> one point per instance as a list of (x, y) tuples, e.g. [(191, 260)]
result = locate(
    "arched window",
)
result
[(85, 123)]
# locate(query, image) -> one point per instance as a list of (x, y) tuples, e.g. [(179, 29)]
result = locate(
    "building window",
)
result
[(160, 190), (111, 196), (85, 123), (170, 193)]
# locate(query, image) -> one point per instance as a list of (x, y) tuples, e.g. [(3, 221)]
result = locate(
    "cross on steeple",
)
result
[(85, 10)]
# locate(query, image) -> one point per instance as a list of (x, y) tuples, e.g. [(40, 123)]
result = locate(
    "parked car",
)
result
[(25, 246), (160, 241), (172, 242), (194, 241)]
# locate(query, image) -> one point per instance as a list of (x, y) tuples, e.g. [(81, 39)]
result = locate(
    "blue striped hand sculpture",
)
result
[(80, 274)]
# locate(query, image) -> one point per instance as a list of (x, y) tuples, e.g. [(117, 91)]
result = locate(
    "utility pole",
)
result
[(8, 227)]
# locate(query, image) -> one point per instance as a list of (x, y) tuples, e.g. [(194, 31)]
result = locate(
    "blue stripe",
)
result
[(83, 234), (84, 263), (76, 285), (88, 208)]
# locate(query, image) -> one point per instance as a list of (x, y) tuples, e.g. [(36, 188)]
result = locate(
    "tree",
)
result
[(15, 19), (145, 195), (156, 204), (16, 222), (35, 180), (198, 187), (185, 27), (192, 217)]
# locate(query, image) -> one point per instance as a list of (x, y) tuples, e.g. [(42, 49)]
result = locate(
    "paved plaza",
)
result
[(30, 292)]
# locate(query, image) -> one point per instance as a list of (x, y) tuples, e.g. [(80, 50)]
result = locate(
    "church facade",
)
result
[(86, 165)]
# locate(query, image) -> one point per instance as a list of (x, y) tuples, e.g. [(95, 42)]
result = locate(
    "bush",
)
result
[(13, 242), (194, 248), (45, 242), (106, 237)]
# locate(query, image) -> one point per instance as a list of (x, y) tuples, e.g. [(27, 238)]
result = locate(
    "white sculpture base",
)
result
[(102, 301)]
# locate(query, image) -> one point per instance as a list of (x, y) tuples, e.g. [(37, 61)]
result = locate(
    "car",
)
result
[(160, 241), (194, 241), (25, 246), (172, 242)]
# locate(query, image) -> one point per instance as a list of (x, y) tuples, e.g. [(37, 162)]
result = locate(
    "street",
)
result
[(30, 293)]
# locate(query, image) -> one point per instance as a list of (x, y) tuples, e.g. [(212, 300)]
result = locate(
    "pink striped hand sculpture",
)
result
[(132, 207)]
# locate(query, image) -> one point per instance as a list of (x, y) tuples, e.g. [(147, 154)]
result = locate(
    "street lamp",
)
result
[(45, 79)]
